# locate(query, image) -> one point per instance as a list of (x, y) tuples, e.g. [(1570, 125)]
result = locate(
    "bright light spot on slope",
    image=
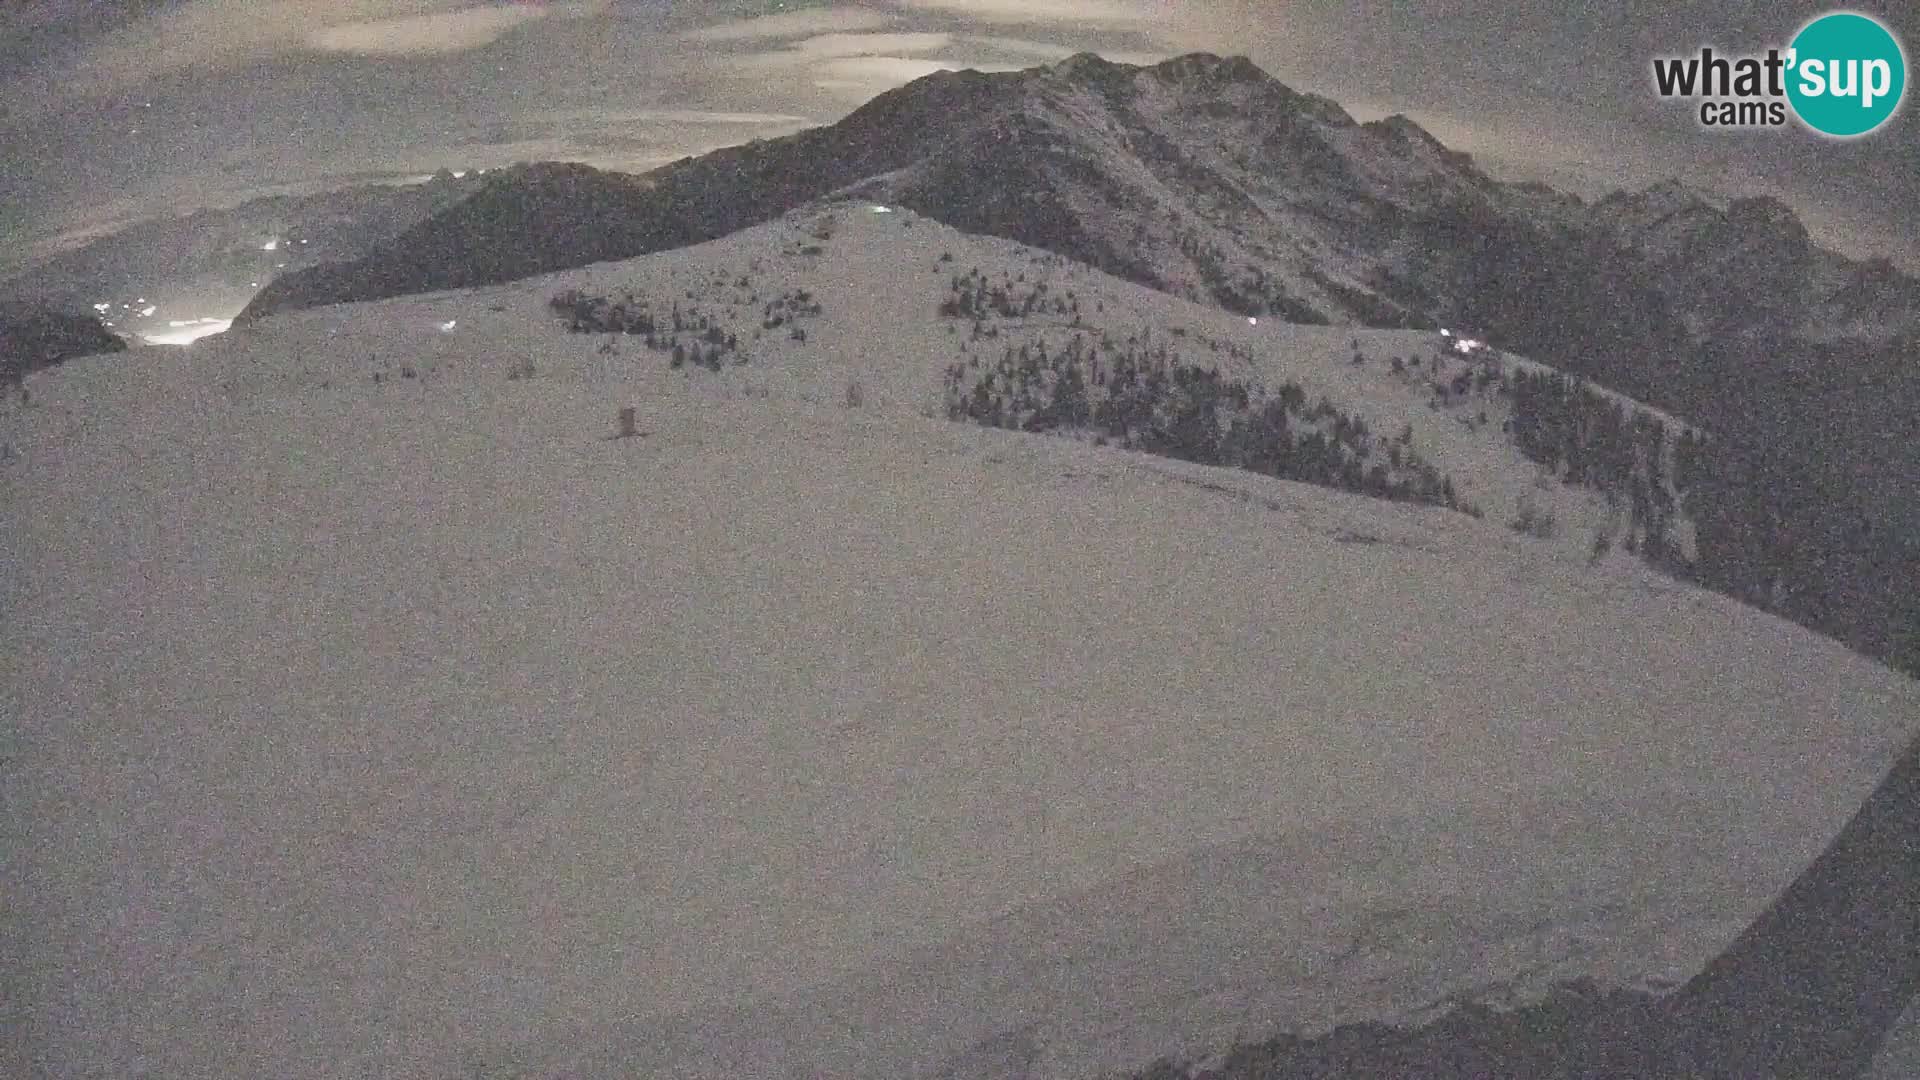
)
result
[(1463, 345), (147, 312), (103, 306), (883, 209), (186, 331), (271, 245), (1251, 321), (447, 327), (460, 173)]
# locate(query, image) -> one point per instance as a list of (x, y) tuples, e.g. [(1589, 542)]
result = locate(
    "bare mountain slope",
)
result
[(549, 216), (1201, 176), (1080, 157)]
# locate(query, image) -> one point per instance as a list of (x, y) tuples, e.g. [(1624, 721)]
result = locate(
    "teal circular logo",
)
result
[(1846, 74)]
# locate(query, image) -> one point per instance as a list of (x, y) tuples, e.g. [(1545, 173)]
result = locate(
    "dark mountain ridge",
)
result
[(548, 216), (1203, 177), (32, 338), (216, 256)]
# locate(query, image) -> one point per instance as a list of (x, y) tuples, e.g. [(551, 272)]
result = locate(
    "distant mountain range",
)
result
[(1200, 176), (1205, 178), (1208, 179), (209, 263)]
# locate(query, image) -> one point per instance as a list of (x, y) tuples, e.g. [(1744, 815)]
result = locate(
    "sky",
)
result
[(113, 110)]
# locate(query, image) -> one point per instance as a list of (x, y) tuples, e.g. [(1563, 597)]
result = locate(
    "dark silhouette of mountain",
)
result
[(543, 217), (1199, 175), (1204, 177), (218, 256), (1814, 986), (523, 221), (33, 338)]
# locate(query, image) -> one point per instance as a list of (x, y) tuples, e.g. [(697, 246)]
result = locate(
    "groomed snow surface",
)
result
[(418, 729)]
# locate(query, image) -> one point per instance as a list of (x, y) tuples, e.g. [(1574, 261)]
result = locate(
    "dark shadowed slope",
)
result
[(1814, 986), (1810, 991), (543, 217), (1202, 176), (33, 338), (221, 252), (522, 222)]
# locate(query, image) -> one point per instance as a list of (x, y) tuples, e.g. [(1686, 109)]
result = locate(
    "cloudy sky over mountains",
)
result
[(114, 109)]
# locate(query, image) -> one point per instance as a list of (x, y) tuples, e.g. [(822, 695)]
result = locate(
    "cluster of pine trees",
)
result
[(1249, 291), (787, 310), (1782, 522), (686, 337), (1775, 526), (1775, 533), (599, 315), (1143, 397), (1589, 440), (972, 296)]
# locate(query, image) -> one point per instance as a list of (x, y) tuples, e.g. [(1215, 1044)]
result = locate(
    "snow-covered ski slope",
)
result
[(416, 728)]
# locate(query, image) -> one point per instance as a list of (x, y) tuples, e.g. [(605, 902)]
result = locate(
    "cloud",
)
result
[(1046, 51), (864, 76), (1081, 13), (23, 15), (201, 34), (792, 24), (663, 116), (443, 32), (860, 65), (1039, 50), (607, 132), (816, 50), (871, 44)]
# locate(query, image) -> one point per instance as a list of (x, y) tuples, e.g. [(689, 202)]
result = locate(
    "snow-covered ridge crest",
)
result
[(379, 711)]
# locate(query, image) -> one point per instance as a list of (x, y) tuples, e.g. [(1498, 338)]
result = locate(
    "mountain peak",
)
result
[(1766, 212), (1401, 126), (1206, 65), (1670, 194), (1085, 63)]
